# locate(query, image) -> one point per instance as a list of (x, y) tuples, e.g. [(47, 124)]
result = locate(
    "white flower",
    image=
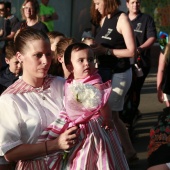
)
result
[(86, 94)]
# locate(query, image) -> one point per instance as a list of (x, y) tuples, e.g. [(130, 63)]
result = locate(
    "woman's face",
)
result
[(36, 59), (99, 5), (29, 10)]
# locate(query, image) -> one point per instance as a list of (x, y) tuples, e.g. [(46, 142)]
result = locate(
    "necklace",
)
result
[(40, 90), (43, 97)]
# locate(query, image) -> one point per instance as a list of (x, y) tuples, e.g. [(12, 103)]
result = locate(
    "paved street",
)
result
[(150, 108)]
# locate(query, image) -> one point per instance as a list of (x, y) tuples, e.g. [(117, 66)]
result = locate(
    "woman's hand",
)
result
[(67, 139), (64, 141), (98, 49), (160, 95)]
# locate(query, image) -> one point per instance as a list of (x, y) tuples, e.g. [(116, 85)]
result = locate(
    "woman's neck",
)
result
[(34, 82), (102, 21), (31, 21)]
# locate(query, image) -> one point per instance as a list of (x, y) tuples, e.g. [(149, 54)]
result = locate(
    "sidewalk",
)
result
[(150, 108)]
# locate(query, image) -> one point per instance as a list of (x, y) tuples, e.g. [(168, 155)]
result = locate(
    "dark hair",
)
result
[(71, 48), (10, 50), (2, 2), (26, 35), (110, 7), (8, 5)]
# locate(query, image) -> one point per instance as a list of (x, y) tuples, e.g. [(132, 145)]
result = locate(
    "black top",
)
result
[(7, 26), (166, 78), (10, 24), (6, 78), (39, 26), (144, 28), (109, 37)]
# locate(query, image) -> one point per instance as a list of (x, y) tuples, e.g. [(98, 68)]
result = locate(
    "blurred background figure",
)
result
[(7, 22), (88, 40), (163, 76), (58, 66), (12, 71), (48, 14), (145, 35), (2, 14), (30, 18), (159, 144), (55, 37)]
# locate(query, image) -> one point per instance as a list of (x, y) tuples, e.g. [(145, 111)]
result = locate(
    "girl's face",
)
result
[(29, 10), (82, 63), (99, 5), (36, 59), (133, 6)]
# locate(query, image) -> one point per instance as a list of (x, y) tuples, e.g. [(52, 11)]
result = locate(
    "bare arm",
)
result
[(106, 113), (160, 73), (9, 37), (124, 27), (46, 18), (147, 44), (29, 151)]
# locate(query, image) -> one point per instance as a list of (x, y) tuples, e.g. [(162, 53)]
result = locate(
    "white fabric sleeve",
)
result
[(9, 124)]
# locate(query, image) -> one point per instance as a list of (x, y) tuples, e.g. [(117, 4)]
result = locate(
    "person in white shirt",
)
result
[(31, 104)]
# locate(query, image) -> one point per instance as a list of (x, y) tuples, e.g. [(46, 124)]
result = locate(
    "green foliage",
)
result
[(160, 11)]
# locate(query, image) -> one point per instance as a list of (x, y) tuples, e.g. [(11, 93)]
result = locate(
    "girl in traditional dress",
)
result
[(86, 106)]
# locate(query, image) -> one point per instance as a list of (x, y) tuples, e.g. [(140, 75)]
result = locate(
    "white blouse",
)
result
[(23, 116)]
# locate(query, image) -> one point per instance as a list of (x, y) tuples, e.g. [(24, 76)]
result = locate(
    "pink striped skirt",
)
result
[(39, 164)]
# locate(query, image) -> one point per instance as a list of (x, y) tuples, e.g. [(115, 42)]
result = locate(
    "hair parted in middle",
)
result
[(26, 35), (110, 7), (36, 6)]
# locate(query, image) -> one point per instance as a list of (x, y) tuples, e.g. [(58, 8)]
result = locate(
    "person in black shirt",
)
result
[(145, 35), (11, 72), (29, 12), (114, 46), (9, 21)]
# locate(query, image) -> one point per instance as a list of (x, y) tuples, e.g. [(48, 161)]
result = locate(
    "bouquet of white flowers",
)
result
[(86, 94)]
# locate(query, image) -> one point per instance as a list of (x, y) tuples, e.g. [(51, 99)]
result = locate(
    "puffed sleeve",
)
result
[(10, 122)]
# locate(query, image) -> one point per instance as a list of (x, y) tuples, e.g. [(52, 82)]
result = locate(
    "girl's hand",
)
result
[(108, 124), (67, 139)]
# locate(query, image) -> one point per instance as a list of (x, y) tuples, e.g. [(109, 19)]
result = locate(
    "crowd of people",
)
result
[(62, 100)]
